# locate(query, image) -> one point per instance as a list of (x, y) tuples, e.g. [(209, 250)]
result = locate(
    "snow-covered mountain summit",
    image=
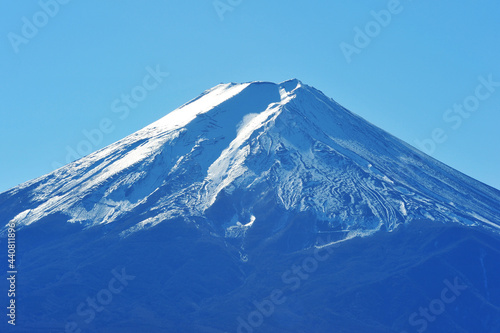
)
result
[(247, 192), (244, 158)]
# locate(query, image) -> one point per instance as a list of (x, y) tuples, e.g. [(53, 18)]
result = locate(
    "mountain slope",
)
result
[(230, 198), (290, 140)]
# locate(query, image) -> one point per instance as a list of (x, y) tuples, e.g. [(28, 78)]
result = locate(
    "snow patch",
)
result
[(402, 208)]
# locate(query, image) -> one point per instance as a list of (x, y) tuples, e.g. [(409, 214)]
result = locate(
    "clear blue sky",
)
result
[(63, 79)]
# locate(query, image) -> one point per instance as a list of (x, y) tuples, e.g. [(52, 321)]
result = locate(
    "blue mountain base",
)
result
[(421, 277)]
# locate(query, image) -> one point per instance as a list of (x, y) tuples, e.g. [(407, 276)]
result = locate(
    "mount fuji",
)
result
[(255, 207)]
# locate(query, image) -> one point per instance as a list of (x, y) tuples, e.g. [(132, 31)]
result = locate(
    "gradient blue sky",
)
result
[(64, 79)]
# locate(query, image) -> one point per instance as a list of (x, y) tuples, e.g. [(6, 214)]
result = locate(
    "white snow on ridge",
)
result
[(482, 219), (188, 112), (287, 141)]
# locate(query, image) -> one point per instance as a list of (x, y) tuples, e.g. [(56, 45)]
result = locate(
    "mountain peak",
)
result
[(237, 147), (290, 85), (216, 215)]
